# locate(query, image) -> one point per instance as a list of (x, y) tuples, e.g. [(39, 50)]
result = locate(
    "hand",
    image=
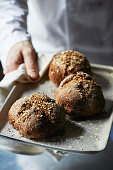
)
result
[(22, 52)]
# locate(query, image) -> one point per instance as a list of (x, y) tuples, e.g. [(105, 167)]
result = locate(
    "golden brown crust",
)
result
[(37, 116), (80, 95), (66, 63)]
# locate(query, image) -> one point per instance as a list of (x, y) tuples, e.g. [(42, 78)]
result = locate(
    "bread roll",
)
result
[(66, 63), (37, 116), (80, 95)]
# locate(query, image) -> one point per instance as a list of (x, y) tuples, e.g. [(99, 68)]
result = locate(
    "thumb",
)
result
[(30, 62)]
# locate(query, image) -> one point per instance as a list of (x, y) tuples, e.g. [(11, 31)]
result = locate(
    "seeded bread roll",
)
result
[(37, 116), (80, 95), (66, 63)]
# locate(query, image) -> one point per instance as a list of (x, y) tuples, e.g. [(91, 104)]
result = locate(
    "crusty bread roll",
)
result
[(80, 95), (37, 116), (66, 63)]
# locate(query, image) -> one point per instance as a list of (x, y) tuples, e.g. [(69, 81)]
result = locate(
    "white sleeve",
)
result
[(13, 25)]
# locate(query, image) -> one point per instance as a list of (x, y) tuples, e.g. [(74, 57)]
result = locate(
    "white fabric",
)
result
[(55, 25), (13, 25), (20, 74)]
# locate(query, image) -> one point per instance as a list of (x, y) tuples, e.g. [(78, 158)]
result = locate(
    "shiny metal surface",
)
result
[(20, 148), (102, 160)]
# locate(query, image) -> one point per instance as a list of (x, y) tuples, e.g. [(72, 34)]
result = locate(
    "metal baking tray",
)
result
[(84, 135)]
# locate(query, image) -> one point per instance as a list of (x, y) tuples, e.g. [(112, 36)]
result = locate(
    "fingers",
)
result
[(14, 59), (30, 55), (22, 52), (6, 70), (11, 63)]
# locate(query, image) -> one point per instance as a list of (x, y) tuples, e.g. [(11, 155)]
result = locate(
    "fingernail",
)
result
[(34, 76)]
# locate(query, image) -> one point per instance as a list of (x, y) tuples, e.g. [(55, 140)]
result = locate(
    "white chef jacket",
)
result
[(56, 25)]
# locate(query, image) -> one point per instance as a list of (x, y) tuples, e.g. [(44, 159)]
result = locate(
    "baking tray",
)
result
[(84, 135)]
